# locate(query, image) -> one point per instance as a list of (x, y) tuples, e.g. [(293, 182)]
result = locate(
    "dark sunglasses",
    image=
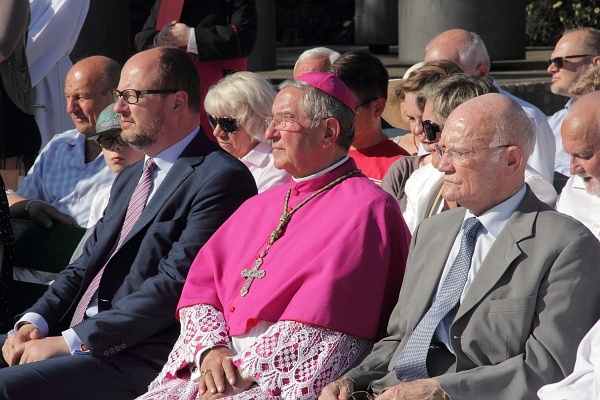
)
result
[(364, 103), (431, 130), (228, 124), (560, 61), (106, 142)]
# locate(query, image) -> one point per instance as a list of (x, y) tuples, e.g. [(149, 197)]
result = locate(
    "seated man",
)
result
[(70, 170), (270, 288), (580, 198), (366, 76), (485, 315), (106, 326)]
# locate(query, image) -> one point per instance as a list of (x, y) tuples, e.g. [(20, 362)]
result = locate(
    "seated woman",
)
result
[(7, 249), (237, 106), (408, 91)]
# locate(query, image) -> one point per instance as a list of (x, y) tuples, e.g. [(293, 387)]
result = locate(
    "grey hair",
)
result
[(453, 90), (331, 55), (317, 105), (245, 96)]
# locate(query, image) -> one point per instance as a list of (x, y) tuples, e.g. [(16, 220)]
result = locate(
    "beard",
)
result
[(148, 133), (592, 186)]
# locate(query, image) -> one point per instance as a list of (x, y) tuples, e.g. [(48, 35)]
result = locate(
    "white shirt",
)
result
[(578, 203), (584, 382), (493, 221), (561, 159), (261, 164)]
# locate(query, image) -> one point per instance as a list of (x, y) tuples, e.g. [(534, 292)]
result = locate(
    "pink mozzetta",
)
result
[(339, 263), (330, 84)]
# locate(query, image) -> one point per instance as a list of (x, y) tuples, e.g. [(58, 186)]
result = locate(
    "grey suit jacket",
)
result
[(533, 299)]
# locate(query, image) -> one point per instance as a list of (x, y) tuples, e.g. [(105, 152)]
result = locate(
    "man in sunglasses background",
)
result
[(468, 51), (69, 171), (367, 78), (576, 51), (496, 297)]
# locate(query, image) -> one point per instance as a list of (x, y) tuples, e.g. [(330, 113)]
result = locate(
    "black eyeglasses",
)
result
[(431, 130), (131, 96), (364, 103), (559, 62), (228, 124), (106, 141)]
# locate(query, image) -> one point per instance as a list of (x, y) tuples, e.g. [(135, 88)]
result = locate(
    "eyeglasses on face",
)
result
[(107, 141), (132, 96), (431, 130), (559, 62), (364, 103), (457, 157), (228, 125), (284, 121)]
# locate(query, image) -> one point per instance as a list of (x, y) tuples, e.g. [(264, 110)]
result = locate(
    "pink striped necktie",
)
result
[(134, 210)]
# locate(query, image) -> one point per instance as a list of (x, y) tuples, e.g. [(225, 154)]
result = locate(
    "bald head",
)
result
[(487, 139), (461, 47), (580, 133), (88, 87)]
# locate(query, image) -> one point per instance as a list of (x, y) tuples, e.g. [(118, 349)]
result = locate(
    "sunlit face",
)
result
[(297, 148), (85, 101), (413, 114), (580, 140), (118, 157), (237, 144), (563, 78), (143, 123), (470, 180)]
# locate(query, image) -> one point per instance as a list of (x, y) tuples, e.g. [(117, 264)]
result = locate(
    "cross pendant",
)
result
[(250, 274)]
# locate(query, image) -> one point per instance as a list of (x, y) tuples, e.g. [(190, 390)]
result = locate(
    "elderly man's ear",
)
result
[(332, 131)]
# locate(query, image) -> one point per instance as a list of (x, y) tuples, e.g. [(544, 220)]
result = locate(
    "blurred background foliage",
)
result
[(548, 19)]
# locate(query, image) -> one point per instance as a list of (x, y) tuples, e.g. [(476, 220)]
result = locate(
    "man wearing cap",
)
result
[(302, 274), (70, 170)]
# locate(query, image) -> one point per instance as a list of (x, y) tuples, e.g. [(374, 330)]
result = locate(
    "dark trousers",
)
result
[(76, 377)]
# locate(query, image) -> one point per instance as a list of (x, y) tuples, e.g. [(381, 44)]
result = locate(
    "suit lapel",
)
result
[(503, 253), (179, 172), (436, 248)]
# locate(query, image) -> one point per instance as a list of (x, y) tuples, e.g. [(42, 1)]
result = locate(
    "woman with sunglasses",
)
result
[(237, 106), (408, 91)]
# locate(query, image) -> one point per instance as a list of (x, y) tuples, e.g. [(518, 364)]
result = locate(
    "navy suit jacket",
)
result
[(142, 282)]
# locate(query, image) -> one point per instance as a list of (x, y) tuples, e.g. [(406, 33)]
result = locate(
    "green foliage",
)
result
[(548, 19)]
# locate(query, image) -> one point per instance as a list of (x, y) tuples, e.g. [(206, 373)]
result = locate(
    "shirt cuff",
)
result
[(36, 320), (75, 344), (192, 46)]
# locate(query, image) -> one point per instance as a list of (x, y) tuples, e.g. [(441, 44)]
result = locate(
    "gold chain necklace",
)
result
[(255, 272)]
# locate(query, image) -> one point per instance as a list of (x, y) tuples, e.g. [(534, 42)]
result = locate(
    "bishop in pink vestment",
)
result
[(326, 290)]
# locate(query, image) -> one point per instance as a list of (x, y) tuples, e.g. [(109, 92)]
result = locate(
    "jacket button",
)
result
[(231, 308)]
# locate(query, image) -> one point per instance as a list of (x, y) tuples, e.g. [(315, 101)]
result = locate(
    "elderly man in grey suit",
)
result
[(497, 293)]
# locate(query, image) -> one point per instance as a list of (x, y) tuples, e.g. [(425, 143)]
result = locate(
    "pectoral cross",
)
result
[(250, 274)]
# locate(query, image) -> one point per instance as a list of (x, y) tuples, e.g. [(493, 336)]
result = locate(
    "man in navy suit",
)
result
[(121, 338)]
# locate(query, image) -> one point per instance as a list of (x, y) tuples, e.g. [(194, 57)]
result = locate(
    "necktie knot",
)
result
[(471, 226), (149, 167)]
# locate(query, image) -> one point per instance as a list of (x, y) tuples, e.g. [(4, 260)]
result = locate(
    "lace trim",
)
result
[(293, 360), (202, 326)]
